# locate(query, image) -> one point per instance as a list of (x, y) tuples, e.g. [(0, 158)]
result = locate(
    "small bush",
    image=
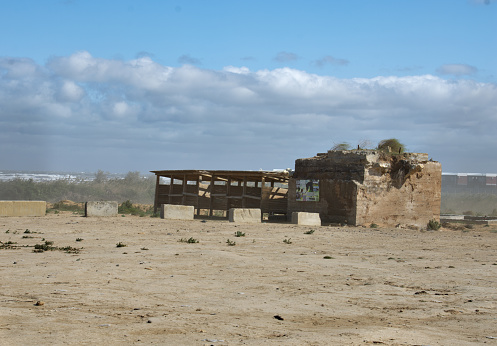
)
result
[(239, 234), (309, 232), (230, 243), (393, 144), (128, 208), (341, 146), (373, 225), (121, 245), (434, 225), (190, 240), (47, 246), (287, 241)]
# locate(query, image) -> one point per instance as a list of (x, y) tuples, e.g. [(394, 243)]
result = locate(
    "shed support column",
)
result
[(198, 193), (244, 191), (183, 198), (211, 197), (228, 194), (263, 183), (156, 202), (171, 189)]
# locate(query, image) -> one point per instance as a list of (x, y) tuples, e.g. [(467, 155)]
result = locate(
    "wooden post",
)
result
[(211, 197), (156, 202), (171, 188), (228, 194), (198, 193), (183, 198), (244, 191)]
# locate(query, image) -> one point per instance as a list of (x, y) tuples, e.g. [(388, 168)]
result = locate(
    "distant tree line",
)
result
[(133, 187)]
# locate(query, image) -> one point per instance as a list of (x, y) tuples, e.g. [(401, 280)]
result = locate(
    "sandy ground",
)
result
[(379, 286)]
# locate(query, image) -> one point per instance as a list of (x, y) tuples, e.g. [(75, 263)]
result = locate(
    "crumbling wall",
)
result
[(400, 189), (360, 187)]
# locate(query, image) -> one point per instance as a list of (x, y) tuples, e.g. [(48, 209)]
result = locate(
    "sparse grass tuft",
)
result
[(311, 231), (48, 246), (190, 240), (373, 225), (120, 244), (128, 208), (287, 241), (230, 243), (8, 245)]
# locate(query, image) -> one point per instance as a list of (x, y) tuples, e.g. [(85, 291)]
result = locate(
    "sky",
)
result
[(141, 85)]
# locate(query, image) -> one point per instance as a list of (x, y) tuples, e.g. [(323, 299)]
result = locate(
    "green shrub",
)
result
[(190, 240), (395, 146), (434, 225), (341, 146)]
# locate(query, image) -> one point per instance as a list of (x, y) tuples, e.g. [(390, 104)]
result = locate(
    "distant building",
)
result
[(470, 183)]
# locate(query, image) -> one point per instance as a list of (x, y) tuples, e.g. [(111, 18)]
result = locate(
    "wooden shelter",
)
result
[(222, 190)]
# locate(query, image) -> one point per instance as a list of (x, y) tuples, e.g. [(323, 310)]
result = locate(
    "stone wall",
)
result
[(23, 208), (360, 187)]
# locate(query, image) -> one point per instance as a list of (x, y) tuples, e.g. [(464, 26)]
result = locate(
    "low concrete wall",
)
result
[(177, 212), (307, 219), (23, 208), (101, 208), (245, 215)]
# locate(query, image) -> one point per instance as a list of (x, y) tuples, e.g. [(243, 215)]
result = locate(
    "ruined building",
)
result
[(361, 187)]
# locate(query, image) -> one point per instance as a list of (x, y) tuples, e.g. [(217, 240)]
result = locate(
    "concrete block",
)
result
[(177, 212), (307, 219), (245, 215), (23, 208), (101, 208)]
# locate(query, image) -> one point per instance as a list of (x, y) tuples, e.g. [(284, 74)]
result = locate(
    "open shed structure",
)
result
[(222, 190)]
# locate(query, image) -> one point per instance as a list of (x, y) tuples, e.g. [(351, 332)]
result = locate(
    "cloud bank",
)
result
[(81, 112)]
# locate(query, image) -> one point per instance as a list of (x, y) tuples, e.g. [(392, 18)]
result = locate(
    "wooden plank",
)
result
[(251, 197)]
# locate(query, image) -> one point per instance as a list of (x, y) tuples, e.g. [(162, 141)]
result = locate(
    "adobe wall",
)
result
[(360, 187), (404, 190)]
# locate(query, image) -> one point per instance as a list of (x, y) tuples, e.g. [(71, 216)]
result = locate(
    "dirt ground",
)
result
[(275, 286)]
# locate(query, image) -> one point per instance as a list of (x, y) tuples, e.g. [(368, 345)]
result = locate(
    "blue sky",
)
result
[(144, 85)]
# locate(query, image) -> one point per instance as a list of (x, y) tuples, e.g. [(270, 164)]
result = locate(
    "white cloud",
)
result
[(457, 69), (239, 119)]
